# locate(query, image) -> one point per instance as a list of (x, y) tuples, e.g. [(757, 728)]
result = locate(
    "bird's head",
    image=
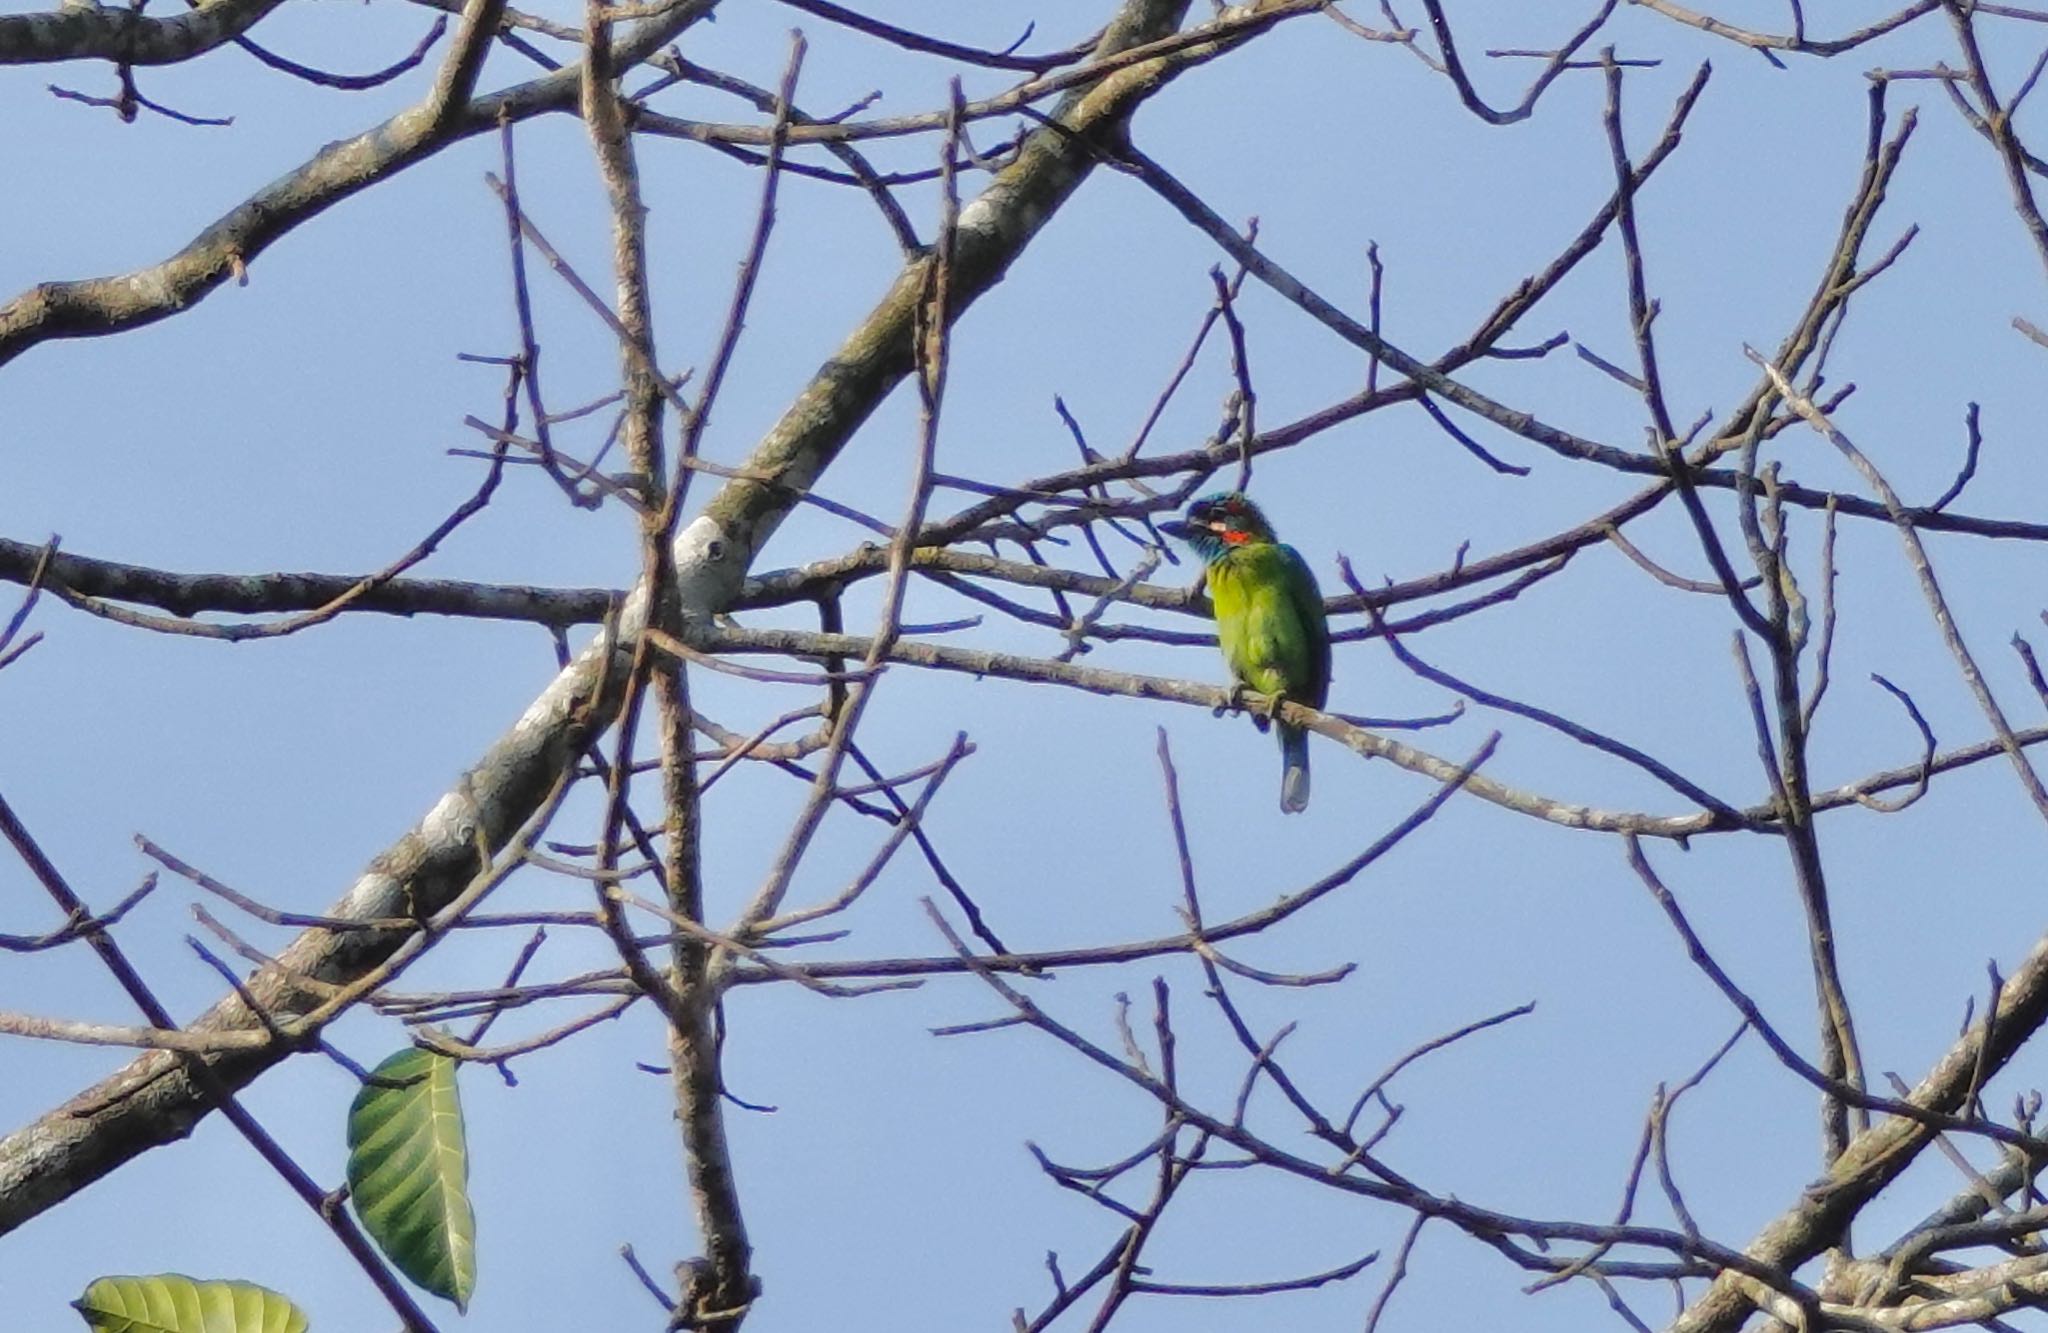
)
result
[(1216, 523)]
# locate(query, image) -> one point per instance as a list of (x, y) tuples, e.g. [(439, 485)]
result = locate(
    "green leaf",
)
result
[(408, 1172), (174, 1303)]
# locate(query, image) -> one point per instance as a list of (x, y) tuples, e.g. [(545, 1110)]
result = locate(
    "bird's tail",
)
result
[(1293, 769)]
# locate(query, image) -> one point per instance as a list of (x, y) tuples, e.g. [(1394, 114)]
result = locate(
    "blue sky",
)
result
[(303, 422)]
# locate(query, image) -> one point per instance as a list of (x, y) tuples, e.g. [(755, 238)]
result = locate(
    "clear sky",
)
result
[(304, 422)]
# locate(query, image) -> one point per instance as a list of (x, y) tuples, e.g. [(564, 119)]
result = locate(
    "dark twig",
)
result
[(1240, 365), (349, 82), (1969, 469), (1400, 1270), (9, 651), (1559, 60)]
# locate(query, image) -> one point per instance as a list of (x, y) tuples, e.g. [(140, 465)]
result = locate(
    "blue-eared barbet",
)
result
[(1269, 618)]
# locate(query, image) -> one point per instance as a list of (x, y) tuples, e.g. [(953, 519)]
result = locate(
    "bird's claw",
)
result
[(1264, 710)]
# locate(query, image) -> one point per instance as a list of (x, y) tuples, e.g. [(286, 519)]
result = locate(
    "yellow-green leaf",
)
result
[(408, 1172), (174, 1303)]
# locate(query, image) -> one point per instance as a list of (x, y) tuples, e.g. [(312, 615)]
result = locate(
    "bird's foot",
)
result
[(1265, 712), (1262, 709)]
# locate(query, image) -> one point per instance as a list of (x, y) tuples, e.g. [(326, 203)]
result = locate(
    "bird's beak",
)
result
[(1178, 528)]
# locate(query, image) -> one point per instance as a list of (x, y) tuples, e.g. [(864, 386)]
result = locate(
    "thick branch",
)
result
[(116, 32)]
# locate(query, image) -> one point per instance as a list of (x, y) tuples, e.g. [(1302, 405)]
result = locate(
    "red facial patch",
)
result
[(1233, 536)]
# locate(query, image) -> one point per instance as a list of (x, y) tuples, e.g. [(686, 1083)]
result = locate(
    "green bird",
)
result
[(1269, 618)]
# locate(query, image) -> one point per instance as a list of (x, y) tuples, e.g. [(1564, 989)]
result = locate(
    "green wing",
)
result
[(1307, 600)]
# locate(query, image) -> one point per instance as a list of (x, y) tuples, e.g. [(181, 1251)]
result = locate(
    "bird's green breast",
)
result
[(1259, 622)]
